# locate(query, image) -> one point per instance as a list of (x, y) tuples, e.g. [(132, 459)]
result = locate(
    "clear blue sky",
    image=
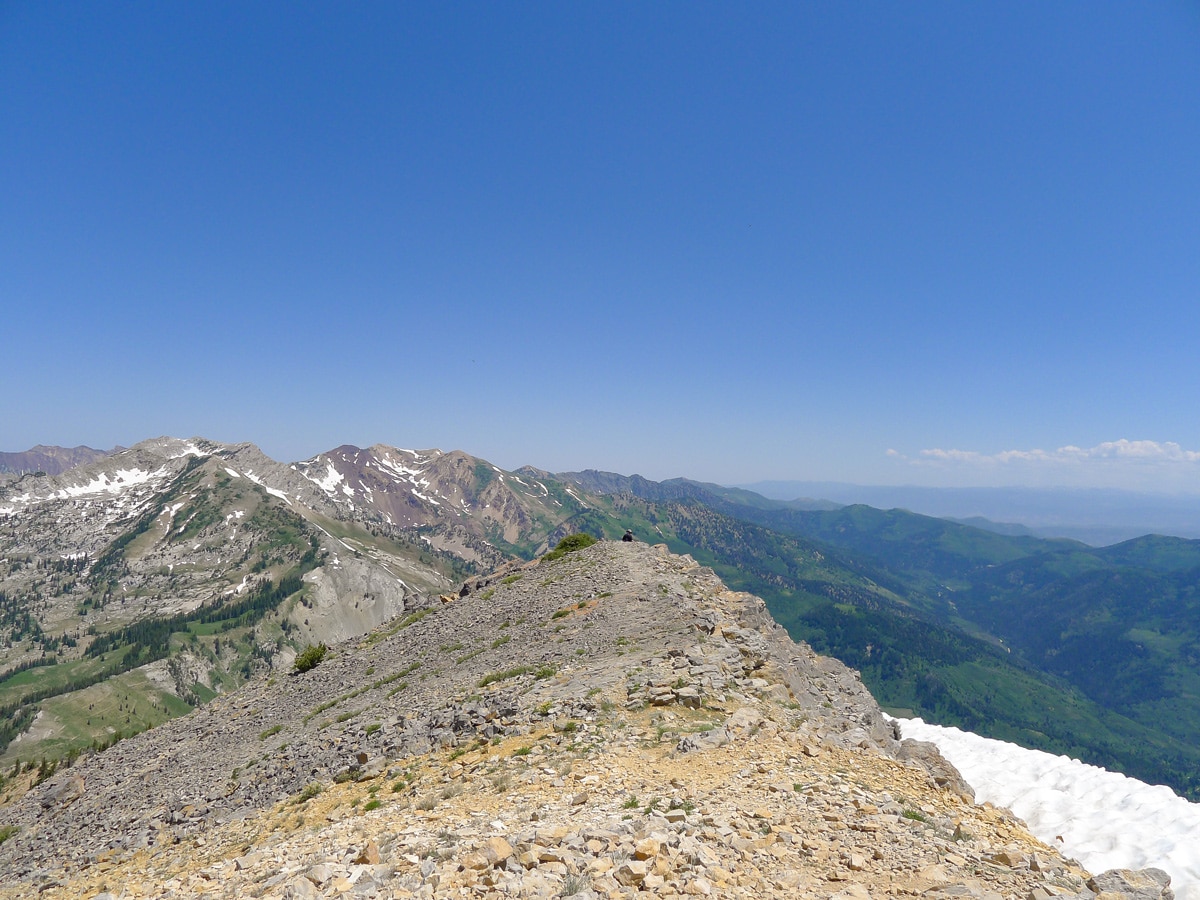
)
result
[(688, 239)]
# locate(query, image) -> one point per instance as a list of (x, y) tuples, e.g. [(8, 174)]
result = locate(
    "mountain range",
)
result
[(1096, 516), (50, 460), (142, 584)]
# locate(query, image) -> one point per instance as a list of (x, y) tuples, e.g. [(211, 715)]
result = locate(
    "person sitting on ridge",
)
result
[(628, 535)]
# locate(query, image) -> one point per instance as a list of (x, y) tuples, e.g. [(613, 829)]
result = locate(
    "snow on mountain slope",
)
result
[(463, 496), (159, 540), (99, 493)]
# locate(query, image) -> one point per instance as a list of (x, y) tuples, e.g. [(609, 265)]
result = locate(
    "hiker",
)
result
[(628, 535)]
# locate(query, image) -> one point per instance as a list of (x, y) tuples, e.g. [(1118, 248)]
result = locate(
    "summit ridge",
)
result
[(614, 723)]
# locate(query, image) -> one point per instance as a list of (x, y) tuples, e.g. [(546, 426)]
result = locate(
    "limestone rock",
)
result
[(1140, 884)]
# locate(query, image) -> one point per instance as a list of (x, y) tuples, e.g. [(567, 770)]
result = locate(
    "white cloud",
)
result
[(1152, 451), (1146, 464), (1133, 451)]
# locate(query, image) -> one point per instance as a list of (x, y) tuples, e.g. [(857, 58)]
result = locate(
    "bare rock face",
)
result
[(349, 599), (1140, 884), (945, 775), (612, 721)]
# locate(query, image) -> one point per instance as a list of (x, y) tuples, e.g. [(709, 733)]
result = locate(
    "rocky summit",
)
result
[(612, 723)]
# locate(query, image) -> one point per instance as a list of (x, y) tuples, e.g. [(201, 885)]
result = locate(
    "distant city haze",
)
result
[(1096, 516)]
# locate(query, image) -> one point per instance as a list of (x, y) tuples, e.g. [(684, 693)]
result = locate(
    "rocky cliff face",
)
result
[(615, 723)]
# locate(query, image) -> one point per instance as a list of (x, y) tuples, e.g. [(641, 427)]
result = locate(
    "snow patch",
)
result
[(330, 480), (1106, 820), (270, 490), (241, 587), (122, 479), (189, 449)]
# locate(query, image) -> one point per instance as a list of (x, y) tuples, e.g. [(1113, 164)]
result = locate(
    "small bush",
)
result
[(573, 885), (493, 677), (273, 730), (570, 544), (7, 831), (310, 657)]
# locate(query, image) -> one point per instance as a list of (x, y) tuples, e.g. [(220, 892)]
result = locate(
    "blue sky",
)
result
[(936, 243)]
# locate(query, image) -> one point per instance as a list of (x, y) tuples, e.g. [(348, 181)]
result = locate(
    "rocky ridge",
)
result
[(614, 723)]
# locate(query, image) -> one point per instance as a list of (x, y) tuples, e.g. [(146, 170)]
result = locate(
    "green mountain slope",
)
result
[(1049, 643)]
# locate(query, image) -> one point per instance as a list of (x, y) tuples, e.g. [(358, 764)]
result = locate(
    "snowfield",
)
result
[(1104, 819), (121, 480)]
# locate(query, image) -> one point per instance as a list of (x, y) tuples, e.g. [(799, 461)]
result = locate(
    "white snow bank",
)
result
[(1106, 820), (329, 481), (270, 490), (101, 484), (189, 449)]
